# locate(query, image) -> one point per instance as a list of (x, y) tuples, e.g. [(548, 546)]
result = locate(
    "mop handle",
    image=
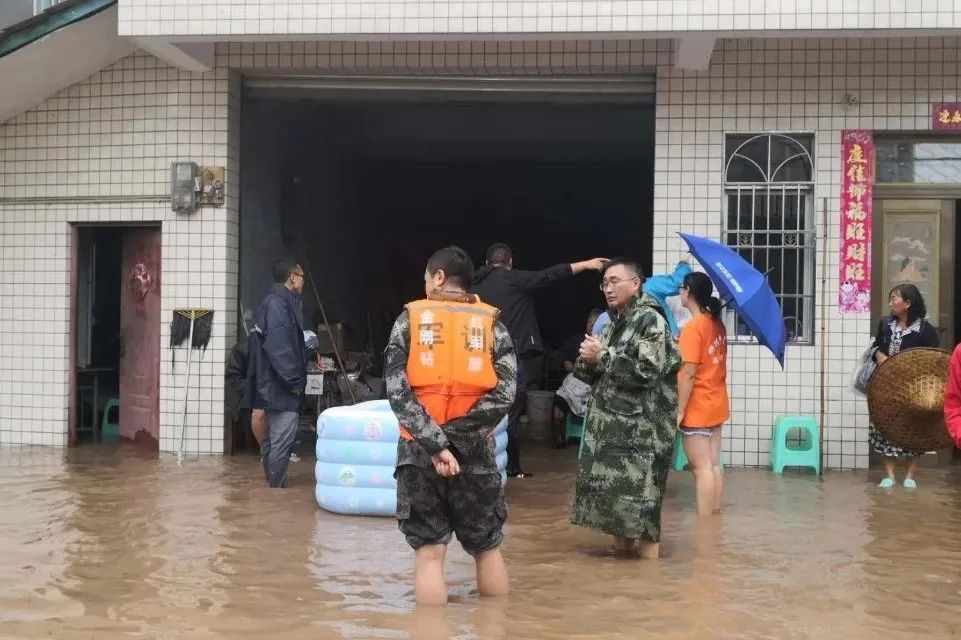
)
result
[(333, 342), (190, 353)]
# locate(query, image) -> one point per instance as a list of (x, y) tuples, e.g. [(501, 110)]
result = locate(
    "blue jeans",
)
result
[(275, 449)]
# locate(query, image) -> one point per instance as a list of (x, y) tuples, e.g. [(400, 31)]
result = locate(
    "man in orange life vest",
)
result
[(451, 377)]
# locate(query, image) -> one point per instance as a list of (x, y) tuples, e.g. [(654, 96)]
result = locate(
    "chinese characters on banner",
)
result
[(946, 116), (857, 186)]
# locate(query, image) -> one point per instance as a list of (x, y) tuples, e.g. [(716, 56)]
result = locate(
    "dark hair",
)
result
[(456, 265), (917, 310), (283, 269), (630, 265), (499, 254), (700, 287)]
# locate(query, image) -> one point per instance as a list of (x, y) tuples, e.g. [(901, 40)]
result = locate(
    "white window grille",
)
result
[(918, 162), (769, 195)]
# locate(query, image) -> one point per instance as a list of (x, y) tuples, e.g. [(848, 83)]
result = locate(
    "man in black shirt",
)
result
[(509, 289)]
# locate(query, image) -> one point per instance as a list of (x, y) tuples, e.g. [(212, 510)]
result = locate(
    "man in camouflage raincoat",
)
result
[(631, 418), (447, 478)]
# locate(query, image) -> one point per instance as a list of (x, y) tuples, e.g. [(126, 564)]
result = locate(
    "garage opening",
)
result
[(364, 182)]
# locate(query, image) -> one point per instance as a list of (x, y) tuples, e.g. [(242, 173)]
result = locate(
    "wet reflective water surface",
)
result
[(105, 543)]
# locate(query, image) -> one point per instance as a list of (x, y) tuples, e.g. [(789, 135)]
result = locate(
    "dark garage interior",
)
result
[(363, 191)]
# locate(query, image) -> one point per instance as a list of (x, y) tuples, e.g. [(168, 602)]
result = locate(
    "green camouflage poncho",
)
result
[(630, 425)]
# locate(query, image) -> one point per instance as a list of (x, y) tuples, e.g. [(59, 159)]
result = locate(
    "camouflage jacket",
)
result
[(635, 381), (466, 437)]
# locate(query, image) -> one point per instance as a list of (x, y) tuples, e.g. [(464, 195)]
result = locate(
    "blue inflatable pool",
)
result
[(356, 454)]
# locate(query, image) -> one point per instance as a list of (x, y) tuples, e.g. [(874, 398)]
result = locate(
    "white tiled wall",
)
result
[(115, 134), (528, 57), (68, 161), (756, 86), (339, 17)]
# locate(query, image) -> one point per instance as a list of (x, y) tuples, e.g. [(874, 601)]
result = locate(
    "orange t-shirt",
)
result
[(704, 342)]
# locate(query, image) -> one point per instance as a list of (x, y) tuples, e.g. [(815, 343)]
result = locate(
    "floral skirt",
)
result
[(887, 448)]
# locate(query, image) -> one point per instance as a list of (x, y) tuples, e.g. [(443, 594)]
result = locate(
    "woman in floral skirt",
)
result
[(904, 329)]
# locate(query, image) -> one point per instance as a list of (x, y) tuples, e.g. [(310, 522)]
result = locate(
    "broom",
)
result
[(193, 325), (333, 341)]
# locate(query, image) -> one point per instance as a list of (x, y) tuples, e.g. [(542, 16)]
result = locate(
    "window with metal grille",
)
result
[(769, 194), (917, 162)]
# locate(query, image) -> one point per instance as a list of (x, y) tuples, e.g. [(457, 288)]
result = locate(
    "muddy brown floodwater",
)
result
[(105, 543)]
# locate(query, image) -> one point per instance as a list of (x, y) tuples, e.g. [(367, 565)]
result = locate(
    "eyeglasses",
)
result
[(301, 274), (613, 282)]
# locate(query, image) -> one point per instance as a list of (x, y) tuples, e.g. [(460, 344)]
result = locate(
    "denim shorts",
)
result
[(697, 431)]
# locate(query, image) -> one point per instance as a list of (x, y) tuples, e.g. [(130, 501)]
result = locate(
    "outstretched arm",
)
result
[(529, 280)]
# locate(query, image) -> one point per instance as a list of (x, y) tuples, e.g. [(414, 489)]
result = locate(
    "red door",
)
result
[(140, 331)]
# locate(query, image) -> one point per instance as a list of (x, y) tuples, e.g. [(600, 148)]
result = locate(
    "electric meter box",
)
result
[(183, 187)]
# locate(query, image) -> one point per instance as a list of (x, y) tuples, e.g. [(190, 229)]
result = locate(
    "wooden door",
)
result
[(916, 245), (140, 337)]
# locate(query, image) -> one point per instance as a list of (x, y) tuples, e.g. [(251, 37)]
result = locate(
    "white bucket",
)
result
[(540, 406)]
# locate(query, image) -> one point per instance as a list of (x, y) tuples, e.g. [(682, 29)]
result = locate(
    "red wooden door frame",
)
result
[(77, 236)]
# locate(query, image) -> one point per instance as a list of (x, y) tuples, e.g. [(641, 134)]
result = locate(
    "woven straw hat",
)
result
[(906, 399)]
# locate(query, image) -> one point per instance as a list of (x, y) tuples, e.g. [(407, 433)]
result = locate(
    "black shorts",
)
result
[(430, 509)]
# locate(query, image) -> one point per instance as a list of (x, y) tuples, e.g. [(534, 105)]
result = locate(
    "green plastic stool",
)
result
[(680, 458), (573, 428), (786, 455), (110, 431)]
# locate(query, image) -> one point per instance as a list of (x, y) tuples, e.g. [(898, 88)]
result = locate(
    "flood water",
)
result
[(104, 543)]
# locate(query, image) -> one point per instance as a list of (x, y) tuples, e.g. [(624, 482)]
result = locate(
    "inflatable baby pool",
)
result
[(356, 454)]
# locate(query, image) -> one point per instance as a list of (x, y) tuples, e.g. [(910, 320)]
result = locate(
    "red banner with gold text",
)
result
[(857, 199)]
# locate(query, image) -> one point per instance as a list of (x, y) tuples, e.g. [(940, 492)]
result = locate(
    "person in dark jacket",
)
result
[(501, 285), (241, 397), (237, 394), (905, 329), (258, 416), (281, 366)]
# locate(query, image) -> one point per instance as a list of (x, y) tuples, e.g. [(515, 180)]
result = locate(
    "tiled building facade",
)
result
[(100, 150), (490, 17)]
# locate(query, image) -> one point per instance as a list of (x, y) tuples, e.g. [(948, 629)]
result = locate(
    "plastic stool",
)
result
[(680, 458), (785, 455), (573, 428), (110, 431)]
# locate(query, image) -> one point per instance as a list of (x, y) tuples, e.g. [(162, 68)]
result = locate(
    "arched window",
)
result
[(769, 190)]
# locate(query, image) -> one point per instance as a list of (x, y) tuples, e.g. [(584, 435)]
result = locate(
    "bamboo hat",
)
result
[(906, 399)]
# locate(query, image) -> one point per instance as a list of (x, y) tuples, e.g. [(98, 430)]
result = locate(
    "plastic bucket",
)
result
[(540, 406)]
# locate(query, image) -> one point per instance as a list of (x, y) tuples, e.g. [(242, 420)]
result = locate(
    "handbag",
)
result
[(863, 373)]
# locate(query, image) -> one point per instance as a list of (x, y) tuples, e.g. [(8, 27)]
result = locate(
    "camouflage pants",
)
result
[(430, 509)]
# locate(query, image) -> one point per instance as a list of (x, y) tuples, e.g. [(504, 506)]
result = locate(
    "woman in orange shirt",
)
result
[(702, 389)]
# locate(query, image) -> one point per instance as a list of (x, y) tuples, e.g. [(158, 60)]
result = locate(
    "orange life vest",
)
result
[(450, 365)]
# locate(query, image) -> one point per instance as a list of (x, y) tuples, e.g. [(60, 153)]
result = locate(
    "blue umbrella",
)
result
[(744, 288)]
